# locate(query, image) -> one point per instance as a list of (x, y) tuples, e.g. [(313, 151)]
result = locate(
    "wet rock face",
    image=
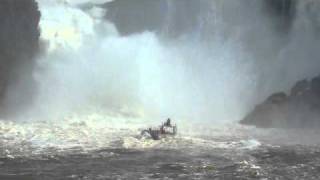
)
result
[(174, 18), (283, 12), (136, 16), (19, 43), (162, 16), (299, 109)]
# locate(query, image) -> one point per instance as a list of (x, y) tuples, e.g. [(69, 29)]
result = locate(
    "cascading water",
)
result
[(145, 74), (109, 68), (197, 63)]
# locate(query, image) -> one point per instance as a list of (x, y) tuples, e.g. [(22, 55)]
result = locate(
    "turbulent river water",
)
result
[(93, 149)]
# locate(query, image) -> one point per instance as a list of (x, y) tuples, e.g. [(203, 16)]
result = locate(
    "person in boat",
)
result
[(168, 123)]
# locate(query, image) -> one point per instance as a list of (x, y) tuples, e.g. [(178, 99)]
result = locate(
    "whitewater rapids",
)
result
[(93, 149)]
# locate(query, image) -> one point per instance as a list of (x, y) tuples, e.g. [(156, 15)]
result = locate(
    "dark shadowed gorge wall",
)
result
[(19, 43)]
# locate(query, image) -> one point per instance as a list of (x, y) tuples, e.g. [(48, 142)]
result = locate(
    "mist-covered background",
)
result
[(192, 60)]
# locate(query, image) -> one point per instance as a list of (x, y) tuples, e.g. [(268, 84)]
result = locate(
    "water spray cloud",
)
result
[(218, 69)]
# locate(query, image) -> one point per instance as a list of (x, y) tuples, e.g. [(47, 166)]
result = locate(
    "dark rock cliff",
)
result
[(299, 109), (19, 43)]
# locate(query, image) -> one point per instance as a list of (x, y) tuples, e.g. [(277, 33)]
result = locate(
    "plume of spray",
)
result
[(89, 67), (229, 60)]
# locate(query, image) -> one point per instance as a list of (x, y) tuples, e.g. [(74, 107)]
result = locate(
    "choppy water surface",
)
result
[(95, 150)]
